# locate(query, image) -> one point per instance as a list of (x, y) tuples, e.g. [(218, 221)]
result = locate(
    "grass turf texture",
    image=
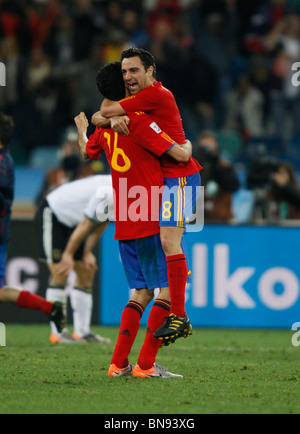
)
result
[(225, 371)]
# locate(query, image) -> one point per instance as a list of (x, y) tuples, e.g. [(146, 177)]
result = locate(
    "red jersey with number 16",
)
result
[(136, 174), (159, 103)]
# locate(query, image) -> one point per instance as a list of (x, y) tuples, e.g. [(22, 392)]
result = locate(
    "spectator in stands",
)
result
[(197, 96), (52, 49), (14, 25), (165, 50), (84, 97), (245, 109), (59, 44), (39, 69), (283, 43), (115, 43), (166, 10), (16, 70), (41, 17), (114, 14), (215, 28), (218, 178), (88, 24), (268, 15), (285, 192), (136, 35)]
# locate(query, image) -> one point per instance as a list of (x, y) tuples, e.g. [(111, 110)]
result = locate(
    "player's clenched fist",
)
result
[(81, 122)]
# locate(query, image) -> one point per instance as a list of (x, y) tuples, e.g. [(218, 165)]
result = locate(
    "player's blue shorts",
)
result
[(145, 263), (3, 256), (179, 200)]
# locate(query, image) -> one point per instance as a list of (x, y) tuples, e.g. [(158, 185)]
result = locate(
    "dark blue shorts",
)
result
[(179, 200), (145, 263), (3, 258)]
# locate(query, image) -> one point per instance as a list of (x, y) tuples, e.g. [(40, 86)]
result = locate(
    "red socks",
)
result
[(177, 275), (158, 314), (130, 324), (131, 319), (32, 301)]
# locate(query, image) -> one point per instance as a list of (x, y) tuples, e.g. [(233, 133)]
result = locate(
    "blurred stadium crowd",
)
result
[(228, 62)]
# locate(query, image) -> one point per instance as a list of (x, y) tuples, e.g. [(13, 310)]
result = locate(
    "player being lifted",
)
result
[(148, 95), (137, 176), (18, 296)]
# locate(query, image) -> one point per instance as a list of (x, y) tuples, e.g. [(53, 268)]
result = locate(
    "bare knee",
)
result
[(165, 294), (143, 297), (2, 295), (9, 295), (171, 240), (57, 279), (170, 245), (84, 276)]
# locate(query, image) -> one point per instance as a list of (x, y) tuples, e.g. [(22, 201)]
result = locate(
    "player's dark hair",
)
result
[(6, 129), (147, 58), (110, 82)]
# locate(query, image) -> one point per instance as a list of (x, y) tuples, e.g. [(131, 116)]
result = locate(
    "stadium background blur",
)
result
[(228, 63)]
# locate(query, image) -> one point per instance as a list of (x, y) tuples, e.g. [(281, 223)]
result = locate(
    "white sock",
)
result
[(82, 305), (56, 294)]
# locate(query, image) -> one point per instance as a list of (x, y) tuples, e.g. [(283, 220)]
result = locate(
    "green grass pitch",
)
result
[(225, 371)]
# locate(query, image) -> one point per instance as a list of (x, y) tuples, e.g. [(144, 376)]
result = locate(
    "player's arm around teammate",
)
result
[(180, 153), (140, 248), (119, 124), (147, 95)]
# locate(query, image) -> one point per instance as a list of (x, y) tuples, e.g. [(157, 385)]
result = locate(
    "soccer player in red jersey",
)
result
[(21, 298), (137, 181), (24, 299), (148, 95)]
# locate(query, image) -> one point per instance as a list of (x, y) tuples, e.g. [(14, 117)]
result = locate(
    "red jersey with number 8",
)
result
[(159, 103)]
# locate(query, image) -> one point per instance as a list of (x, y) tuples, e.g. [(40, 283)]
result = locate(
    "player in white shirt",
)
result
[(70, 222)]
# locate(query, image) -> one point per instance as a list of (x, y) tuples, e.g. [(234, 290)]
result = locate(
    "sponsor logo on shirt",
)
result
[(155, 128)]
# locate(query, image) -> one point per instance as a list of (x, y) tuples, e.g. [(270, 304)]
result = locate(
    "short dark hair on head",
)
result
[(110, 82), (6, 129), (147, 58)]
